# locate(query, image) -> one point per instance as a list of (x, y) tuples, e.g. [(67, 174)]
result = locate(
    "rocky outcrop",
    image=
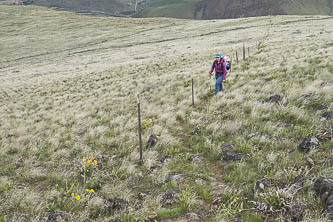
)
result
[(308, 144), (323, 187)]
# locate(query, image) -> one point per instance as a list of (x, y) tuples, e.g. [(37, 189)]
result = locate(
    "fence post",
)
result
[(192, 92), (236, 57), (244, 57), (210, 83), (139, 126)]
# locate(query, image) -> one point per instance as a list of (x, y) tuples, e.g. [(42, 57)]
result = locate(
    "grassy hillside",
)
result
[(307, 7), (170, 8), (195, 9), (68, 124), (212, 9), (115, 7)]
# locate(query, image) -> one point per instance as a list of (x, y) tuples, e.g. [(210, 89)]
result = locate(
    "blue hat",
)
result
[(219, 55)]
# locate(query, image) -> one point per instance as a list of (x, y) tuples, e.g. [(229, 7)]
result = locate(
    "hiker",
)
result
[(220, 72)]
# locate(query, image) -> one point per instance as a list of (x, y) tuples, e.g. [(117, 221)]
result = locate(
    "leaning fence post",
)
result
[(139, 126), (244, 57), (192, 92), (236, 57), (230, 64)]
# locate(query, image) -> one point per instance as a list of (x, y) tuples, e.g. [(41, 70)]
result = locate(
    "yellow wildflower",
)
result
[(237, 198), (73, 194), (89, 161), (78, 197), (150, 120), (92, 190), (95, 162), (56, 185)]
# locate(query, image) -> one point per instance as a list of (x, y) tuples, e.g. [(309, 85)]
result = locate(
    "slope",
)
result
[(213, 9), (68, 124)]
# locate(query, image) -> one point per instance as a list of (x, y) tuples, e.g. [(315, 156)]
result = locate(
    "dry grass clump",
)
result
[(68, 130)]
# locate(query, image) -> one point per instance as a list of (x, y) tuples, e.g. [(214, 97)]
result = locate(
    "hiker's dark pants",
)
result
[(218, 85)]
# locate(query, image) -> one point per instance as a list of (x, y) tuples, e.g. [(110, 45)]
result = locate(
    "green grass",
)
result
[(76, 103), (169, 8), (170, 213)]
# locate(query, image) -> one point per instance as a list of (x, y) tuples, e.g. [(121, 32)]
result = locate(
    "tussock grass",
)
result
[(67, 95)]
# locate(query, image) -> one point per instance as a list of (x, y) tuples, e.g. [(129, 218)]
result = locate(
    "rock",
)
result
[(167, 160), (308, 144), (274, 99), (169, 197), (322, 186), (232, 156), (23, 218), (193, 217), (115, 204), (151, 141), (328, 115), (200, 181), (260, 186), (329, 206), (57, 215), (281, 138), (176, 178), (296, 212), (227, 147), (196, 158), (325, 84), (19, 162), (142, 196)]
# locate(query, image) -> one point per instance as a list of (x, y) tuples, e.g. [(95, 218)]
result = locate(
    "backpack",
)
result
[(228, 62)]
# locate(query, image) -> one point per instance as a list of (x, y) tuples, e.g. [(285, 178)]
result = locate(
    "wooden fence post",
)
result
[(210, 83), (236, 57), (192, 92), (139, 126), (244, 56)]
